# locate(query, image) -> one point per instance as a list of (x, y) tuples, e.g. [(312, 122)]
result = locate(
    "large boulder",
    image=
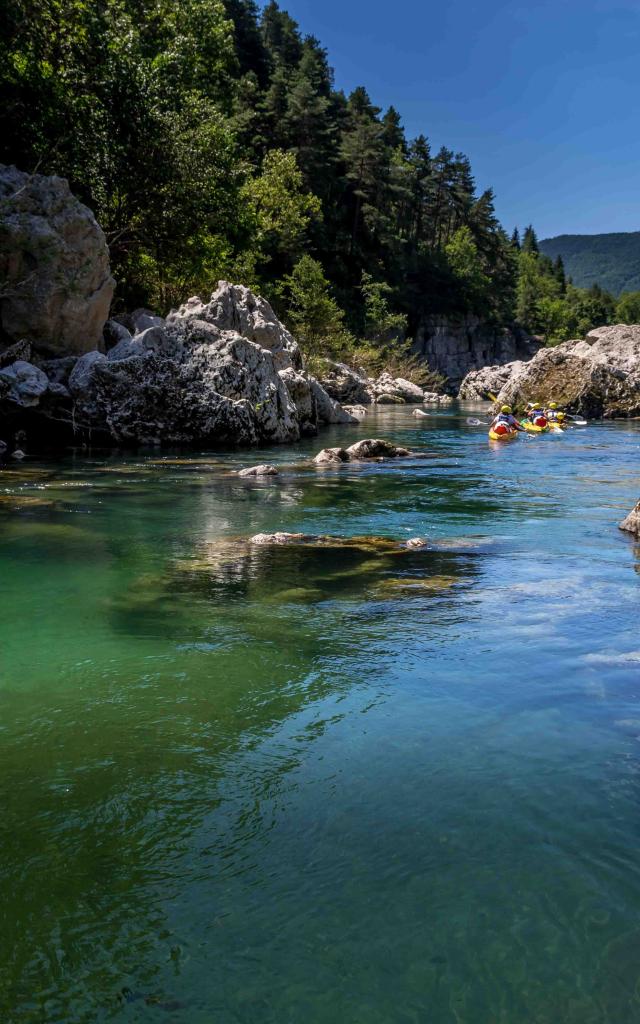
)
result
[(390, 390), (185, 380), (572, 378), (236, 309), (597, 376), (344, 384), (54, 265), (479, 384)]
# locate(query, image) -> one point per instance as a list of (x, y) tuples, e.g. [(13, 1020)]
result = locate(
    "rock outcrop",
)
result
[(596, 377), (354, 387), (455, 348), (632, 523), (54, 265), (478, 385), (189, 379)]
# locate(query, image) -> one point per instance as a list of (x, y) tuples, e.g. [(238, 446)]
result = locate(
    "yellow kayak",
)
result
[(555, 428), (509, 435), (531, 428)]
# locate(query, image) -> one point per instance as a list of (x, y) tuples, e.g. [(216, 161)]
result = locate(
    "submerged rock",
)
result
[(262, 470), (632, 523), (420, 414)]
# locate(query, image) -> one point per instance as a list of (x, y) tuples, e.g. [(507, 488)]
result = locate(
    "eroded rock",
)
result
[(632, 522), (331, 456), (54, 262), (376, 448), (27, 383)]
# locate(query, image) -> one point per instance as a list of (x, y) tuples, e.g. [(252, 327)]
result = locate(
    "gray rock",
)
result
[(82, 374), (262, 470), (27, 383), (376, 448), (299, 387), (420, 414), (454, 348), (125, 349), (59, 370), (331, 456), (18, 454), (264, 539), (327, 409), (344, 384), (632, 523), (478, 383), (54, 263), (433, 398), (114, 332), (388, 390), (234, 308), (143, 319)]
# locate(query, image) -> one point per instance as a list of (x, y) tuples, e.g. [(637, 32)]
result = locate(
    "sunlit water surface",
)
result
[(303, 786)]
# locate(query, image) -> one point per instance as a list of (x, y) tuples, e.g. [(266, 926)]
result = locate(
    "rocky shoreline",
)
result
[(597, 377)]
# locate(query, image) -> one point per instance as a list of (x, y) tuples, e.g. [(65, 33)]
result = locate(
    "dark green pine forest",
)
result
[(210, 141)]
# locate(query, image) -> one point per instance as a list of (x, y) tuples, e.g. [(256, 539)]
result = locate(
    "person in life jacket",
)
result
[(505, 418), (561, 420), (535, 413), (552, 412)]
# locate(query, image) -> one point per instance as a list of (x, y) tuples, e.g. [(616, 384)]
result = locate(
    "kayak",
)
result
[(503, 435), (532, 428), (555, 428)]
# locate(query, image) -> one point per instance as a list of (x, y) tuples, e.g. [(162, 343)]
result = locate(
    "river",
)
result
[(308, 786)]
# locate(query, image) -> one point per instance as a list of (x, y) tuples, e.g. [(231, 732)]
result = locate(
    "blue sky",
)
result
[(542, 96)]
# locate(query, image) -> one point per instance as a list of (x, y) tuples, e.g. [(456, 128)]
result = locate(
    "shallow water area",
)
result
[(354, 783)]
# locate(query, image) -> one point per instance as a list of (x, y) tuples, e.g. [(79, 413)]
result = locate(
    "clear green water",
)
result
[(314, 786)]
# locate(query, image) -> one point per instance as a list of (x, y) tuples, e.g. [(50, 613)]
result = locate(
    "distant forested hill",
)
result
[(612, 261)]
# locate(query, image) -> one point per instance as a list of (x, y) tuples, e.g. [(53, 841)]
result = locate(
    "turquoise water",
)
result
[(318, 785)]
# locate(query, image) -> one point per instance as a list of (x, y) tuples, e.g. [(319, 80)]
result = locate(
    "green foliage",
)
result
[(468, 270), (208, 138), (628, 308), (312, 313), (279, 207), (380, 324)]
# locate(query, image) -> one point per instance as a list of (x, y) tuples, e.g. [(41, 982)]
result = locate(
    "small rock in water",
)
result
[(376, 448), (356, 410), (18, 454), (416, 542), (420, 414), (262, 470), (331, 455)]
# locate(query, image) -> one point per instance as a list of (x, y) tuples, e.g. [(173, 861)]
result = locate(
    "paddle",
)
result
[(578, 420)]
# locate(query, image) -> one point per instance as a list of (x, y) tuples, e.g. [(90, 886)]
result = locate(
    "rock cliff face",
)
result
[(223, 372), (456, 348), (597, 376), (55, 283)]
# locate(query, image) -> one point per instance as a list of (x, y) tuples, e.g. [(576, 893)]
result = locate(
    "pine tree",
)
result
[(515, 239), (530, 241)]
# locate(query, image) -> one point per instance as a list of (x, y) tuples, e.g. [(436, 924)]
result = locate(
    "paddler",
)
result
[(552, 412), (535, 413), (506, 418)]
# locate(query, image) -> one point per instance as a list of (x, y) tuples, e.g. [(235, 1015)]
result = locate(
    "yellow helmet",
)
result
[(506, 408), (560, 415), (553, 405)]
